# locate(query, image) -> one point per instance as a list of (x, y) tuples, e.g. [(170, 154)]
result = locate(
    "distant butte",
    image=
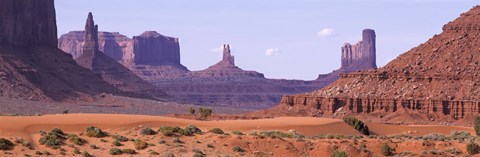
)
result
[(437, 81), (110, 70)]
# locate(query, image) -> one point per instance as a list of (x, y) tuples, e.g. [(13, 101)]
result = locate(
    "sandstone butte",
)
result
[(110, 70), (437, 81), (223, 84), (31, 65)]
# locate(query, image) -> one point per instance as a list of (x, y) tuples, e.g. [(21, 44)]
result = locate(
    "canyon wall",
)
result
[(28, 23)]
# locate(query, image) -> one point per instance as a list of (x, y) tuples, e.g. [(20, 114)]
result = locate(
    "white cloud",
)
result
[(272, 52), (327, 32)]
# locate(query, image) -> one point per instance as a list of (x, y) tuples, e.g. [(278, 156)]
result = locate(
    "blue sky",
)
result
[(280, 38)]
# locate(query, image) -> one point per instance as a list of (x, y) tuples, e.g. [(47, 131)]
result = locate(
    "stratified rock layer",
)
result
[(31, 65), (110, 70), (435, 81)]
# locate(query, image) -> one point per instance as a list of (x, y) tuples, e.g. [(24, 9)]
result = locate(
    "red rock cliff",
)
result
[(28, 23)]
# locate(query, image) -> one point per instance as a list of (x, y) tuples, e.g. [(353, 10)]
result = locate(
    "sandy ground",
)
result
[(221, 145), (310, 126)]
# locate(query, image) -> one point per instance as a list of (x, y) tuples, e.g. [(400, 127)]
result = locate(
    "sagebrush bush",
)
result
[(76, 140), (116, 143), (476, 125), (120, 138), (472, 148), (168, 130), (190, 130), (275, 134), (129, 151), (5, 144), (86, 154), (54, 138), (357, 125), (385, 149), (237, 149), (115, 151), (338, 154), (236, 132), (147, 131), (95, 132), (140, 145), (216, 131)]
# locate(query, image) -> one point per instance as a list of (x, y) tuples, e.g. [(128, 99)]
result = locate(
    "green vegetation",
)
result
[(86, 154), (76, 140), (236, 132), (116, 143), (190, 130), (205, 113), (168, 130), (338, 154), (237, 149), (357, 125), (140, 145), (472, 148), (216, 131), (147, 131), (53, 139), (476, 125), (385, 149), (129, 151), (5, 144), (115, 151), (120, 138), (95, 132)]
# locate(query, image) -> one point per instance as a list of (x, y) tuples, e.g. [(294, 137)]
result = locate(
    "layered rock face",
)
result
[(360, 56), (28, 23), (435, 81), (115, 45), (110, 70), (31, 65)]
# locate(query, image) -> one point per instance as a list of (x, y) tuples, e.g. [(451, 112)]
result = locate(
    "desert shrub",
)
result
[(140, 145), (92, 146), (5, 144), (168, 130), (162, 141), (205, 113), (177, 140), (198, 153), (47, 153), (24, 143), (76, 140), (120, 138), (76, 151), (38, 153), (237, 149), (191, 110), (115, 151), (116, 143), (129, 151), (472, 148), (54, 138), (152, 152), (434, 137), (476, 125), (385, 149), (169, 154), (190, 130), (338, 154), (460, 135), (210, 146), (276, 134), (216, 131), (86, 154), (147, 131), (236, 132), (357, 125), (95, 132)]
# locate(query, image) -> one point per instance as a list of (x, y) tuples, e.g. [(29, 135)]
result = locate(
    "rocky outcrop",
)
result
[(110, 70), (152, 48), (31, 65), (226, 68), (360, 56), (28, 23), (115, 45), (435, 81)]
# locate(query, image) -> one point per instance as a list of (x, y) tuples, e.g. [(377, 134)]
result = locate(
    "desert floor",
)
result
[(27, 128)]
